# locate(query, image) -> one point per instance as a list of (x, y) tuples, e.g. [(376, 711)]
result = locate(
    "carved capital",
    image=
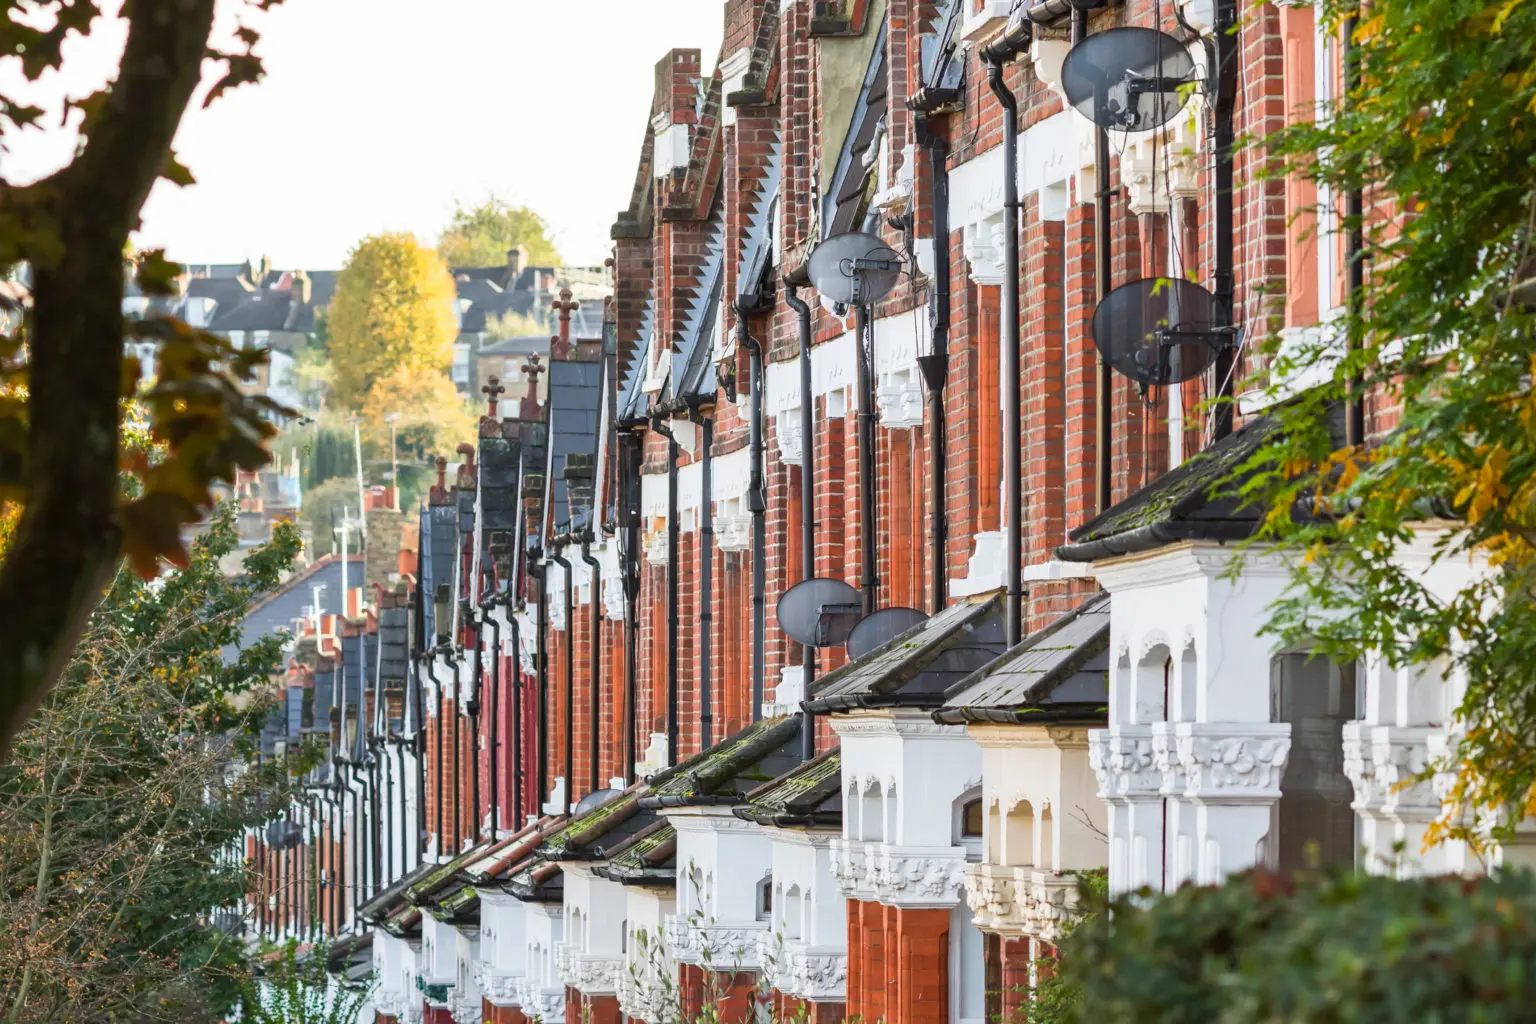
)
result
[(1125, 763), (1233, 762)]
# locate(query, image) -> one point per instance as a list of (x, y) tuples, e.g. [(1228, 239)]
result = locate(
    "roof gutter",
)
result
[(870, 701), (1070, 714), (1155, 535)]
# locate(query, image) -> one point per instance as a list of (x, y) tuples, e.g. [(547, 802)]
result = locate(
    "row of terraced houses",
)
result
[(586, 764)]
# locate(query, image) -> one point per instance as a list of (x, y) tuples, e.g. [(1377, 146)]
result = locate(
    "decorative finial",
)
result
[(442, 472), (493, 392)]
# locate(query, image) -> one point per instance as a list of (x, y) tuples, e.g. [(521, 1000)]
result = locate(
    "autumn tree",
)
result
[(127, 796), (63, 374), (432, 417), (393, 311), (1435, 134), (480, 236)]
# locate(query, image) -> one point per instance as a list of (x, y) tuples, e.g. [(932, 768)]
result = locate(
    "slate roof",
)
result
[(536, 882), (917, 667), (693, 367), (844, 204), (727, 771), (757, 248), (649, 858), (285, 606), (575, 404), (809, 795), (943, 59), (1058, 674), (1189, 502), (439, 537), (631, 396), (522, 345)]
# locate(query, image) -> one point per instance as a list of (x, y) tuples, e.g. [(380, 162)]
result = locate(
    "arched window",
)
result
[(764, 900), (967, 823)]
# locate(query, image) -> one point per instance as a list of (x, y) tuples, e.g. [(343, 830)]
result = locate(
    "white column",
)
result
[(1131, 784)]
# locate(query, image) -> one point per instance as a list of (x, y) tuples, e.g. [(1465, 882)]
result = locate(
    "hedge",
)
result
[(1327, 948)]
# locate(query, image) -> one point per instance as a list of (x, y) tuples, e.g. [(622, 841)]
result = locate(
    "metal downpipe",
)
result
[(494, 760), (758, 506), (1224, 139), (1013, 439), (437, 775), (706, 581), (807, 499), (594, 733), (935, 365), (1354, 214), (869, 580), (541, 665), (515, 634), (631, 553), (473, 706), (673, 621), (566, 745)]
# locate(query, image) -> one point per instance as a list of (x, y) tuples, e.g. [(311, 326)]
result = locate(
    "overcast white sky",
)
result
[(379, 114)]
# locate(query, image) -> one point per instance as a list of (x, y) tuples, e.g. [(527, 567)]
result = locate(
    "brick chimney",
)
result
[(517, 259), (674, 110)]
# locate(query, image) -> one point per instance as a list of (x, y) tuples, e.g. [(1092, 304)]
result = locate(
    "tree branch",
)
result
[(67, 541)]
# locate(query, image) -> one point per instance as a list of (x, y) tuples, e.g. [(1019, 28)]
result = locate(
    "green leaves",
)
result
[(1440, 138), (1315, 950)]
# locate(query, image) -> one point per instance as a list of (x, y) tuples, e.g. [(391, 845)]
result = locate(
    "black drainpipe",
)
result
[(540, 572), (458, 763), (807, 499), (631, 553), (869, 581), (495, 703), (758, 505), (706, 578), (996, 54), (473, 706), (660, 427), (566, 747), (405, 864), (594, 733), (437, 688), (935, 365), (515, 634)]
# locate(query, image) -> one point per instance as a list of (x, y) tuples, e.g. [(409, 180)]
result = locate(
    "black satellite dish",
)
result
[(1159, 330), (819, 612), (876, 629), (854, 268), (1129, 78)]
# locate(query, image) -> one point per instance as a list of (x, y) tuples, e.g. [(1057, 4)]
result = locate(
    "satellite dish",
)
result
[(596, 798), (854, 268), (877, 629), (819, 612), (1129, 78), (1158, 331)]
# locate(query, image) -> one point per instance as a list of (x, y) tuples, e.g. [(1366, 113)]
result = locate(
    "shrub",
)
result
[(1330, 948)]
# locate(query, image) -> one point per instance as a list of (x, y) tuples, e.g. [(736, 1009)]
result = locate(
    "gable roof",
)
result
[(915, 668), (283, 607), (649, 858), (1059, 673), (693, 373)]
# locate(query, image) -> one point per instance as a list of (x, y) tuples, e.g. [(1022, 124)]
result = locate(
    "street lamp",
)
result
[(394, 465)]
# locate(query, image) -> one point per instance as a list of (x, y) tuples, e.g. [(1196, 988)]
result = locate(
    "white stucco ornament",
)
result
[(1123, 760), (1242, 766)]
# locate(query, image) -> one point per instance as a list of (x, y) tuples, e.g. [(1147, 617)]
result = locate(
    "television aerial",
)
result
[(1129, 79)]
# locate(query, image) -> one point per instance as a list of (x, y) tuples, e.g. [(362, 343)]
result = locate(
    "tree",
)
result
[(433, 417), (128, 792), (394, 309), (1437, 133), (479, 236), (63, 371)]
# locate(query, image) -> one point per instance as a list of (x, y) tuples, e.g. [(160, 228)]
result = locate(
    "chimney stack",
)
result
[(517, 259)]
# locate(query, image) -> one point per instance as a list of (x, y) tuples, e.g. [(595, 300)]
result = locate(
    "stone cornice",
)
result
[(1187, 560)]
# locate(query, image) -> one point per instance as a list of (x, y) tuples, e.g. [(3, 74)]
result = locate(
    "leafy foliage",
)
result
[(64, 372), (125, 797), (1339, 947), (480, 236), (1057, 997), (323, 507), (393, 311), (433, 417), (293, 988), (1439, 136)]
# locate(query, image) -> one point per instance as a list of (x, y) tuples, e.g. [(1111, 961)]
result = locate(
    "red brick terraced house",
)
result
[(633, 764)]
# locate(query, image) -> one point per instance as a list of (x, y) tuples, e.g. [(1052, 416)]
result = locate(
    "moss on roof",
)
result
[(581, 830), (811, 791), (648, 859), (730, 768)]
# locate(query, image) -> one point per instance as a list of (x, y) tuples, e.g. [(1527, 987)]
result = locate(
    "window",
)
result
[(1313, 823), (765, 898), (970, 820)]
